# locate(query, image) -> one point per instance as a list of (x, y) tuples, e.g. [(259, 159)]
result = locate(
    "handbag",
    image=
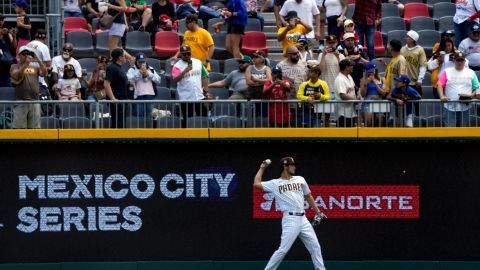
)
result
[(100, 94), (106, 20)]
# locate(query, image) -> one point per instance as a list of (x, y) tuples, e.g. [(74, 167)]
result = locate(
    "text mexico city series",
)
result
[(210, 183)]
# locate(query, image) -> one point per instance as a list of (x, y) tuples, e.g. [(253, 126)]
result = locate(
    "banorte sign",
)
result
[(351, 201)]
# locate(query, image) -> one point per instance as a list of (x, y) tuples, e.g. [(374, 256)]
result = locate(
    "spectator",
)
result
[(445, 34), (23, 23), (471, 48), (307, 10), (367, 17), (442, 58), (335, 12), (257, 75), (310, 91), (191, 77), (96, 84), (184, 8), (236, 80), (117, 9), (25, 79), (372, 88), (210, 9), (92, 10), (350, 28), (401, 94), (354, 52), (416, 62), (237, 19), (457, 83), (199, 40), (345, 90), (277, 89), (306, 54), (289, 35), (116, 86), (293, 70), (159, 8), (396, 67), (139, 15), (38, 45), (466, 16), (68, 87), (252, 11), (71, 8), (7, 47), (277, 6), (144, 79), (59, 62), (399, 5)]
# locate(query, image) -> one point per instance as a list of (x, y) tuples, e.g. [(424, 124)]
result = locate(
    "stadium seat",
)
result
[(49, 122), (379, 47), (224, 109), (427, 92), (230, 65), (138, 122), (422, 23), (215, 77), (443, 9), (7, 93), (433, 2), (167, 43), (219, 93), (163, 93), (253, 41), (220, 48), (213, 21), (155, 64), (410, 1), (198, 122), (102, 43), (396, 34), (428, 38), (379, 65), (137, 41), (427, 80), (214, 65), (445, 23), (169, 122), (75, 23), (88, 64), (76, 122), (82, 43), (228, 122), (390, 10), (253, 25), (351, 10), (414, 10), (388, 24), (70, 109)]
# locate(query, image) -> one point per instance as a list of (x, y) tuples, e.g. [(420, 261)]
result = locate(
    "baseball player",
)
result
[(290, 191)]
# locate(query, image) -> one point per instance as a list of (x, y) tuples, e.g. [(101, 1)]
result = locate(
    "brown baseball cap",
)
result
[(459, 55), (185, 48), (331, 38), (287, 161)]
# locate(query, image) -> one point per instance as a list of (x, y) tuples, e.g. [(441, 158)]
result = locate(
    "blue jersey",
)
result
[(409, 92)]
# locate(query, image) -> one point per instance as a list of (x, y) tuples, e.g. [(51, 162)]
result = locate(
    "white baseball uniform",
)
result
[(289, 197)]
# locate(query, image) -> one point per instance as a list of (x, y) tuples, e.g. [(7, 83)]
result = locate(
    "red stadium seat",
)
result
[(74, 24), (414, 10), (253, 41), (378, 44), (167, 43)]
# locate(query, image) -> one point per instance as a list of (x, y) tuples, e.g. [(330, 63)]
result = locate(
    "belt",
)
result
[(296, 213)]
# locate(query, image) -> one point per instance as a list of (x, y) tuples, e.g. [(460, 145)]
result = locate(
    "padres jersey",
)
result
[(289, 194)]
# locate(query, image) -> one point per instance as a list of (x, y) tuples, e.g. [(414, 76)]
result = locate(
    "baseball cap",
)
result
[(348, 35), (21, 3), (302, 38), (448, 32), (403, 78), (245, 59), (140, 57), (259, 53), (370, 67), (459, 55), (331, 38), (69, 67), (475, 28), (185, 48), (287, 161), (25, 48), (291, 14), (348, 22), (276, 69), (413, 35)]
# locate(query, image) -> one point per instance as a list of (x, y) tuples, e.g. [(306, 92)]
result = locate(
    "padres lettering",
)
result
[(290, 187)]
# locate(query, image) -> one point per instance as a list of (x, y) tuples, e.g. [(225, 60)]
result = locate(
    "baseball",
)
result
[(268, 161)]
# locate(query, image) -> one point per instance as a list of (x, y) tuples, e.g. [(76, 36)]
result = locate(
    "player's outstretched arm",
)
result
[(257, 182)]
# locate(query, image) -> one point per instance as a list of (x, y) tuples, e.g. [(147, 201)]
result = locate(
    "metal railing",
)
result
[(243, 113)]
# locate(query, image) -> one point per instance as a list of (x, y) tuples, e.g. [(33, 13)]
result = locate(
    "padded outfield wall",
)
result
[(195, 202)]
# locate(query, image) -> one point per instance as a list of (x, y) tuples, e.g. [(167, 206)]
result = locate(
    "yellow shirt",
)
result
[(292, 36), (395, 68), (415, 58), (308, 88), (199, 43)]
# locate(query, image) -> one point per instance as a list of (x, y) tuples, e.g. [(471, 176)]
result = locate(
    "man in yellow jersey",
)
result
[(396, 66), (288, 35), (199, 40), (310, 91)]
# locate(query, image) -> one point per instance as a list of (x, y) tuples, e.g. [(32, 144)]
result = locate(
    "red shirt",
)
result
[(367, 12), (278, 113)]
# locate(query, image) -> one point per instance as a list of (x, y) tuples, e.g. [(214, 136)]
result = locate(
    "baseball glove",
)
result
[(318, 218)]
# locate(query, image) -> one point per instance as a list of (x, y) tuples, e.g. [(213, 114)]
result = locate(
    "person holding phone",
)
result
[(289, 35)]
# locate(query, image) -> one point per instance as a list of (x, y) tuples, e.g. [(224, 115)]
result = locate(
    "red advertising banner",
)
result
[(351, 201)]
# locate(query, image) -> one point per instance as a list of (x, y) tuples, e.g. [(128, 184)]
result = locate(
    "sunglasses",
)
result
[(186, 54), (294, 53), (67, 49)]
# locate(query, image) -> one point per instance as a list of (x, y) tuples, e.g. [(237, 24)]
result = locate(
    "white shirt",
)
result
[(433, 64), (331, 71), (305, 10), (68, 87), (471, 50), (345, 85), (457, 82), (43, 54), (71, 6), (465, 9), (289, 194), (190, 86), (333, 7), (58, 63), (143, 86)]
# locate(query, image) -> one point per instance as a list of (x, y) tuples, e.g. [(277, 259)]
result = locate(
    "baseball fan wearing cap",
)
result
[(349, 26), (371, 88), (235, 80), (288, 35), (470, 46), (23, 23), (401, 94), (144, 80), (306, 54), (68, 87), (354, 51), (416, 60), (310, 91), (257, 75), (277, 89), (290, 191), (454, 84)]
